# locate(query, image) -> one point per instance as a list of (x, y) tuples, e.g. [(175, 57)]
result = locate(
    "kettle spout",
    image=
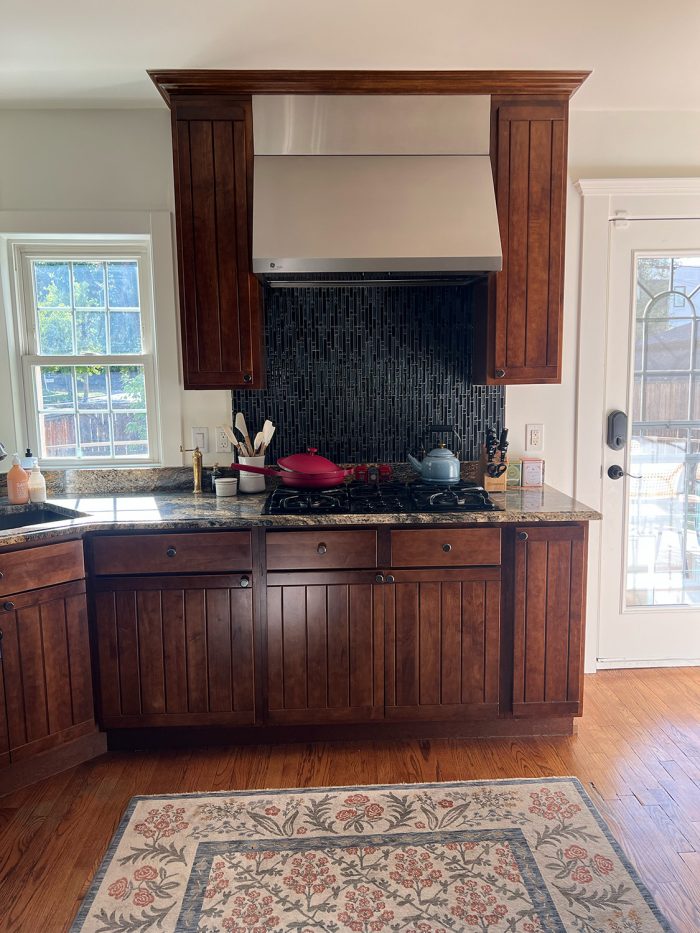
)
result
[(414, 463)]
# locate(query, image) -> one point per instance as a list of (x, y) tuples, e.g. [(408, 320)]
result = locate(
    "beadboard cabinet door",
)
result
[(175, 651), (442, 644), (549, 582), (220, 300), (520, 310), (325, 647), (46, 669)]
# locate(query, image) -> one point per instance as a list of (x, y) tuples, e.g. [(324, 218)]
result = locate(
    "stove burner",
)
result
[(380, 499)]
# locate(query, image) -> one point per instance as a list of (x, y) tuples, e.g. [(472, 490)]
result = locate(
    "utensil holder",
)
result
[(492, 483), (251, 482)]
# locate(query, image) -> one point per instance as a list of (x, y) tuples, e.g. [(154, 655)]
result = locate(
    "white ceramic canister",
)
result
[(252, 482), (226, 485)]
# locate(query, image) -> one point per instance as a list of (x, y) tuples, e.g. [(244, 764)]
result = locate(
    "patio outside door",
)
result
[(650, 544)]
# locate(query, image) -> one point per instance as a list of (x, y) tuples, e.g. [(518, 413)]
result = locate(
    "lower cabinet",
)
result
[(175, 651), (548, 637), (324, 647), (442, 643), (46, 670)]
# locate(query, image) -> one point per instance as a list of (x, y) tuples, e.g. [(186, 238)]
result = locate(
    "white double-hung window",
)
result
[(86, 333)]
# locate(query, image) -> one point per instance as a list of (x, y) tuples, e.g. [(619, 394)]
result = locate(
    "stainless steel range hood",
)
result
[(363, 184)]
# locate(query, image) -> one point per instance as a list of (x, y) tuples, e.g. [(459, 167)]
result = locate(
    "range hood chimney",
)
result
[(373, 185)]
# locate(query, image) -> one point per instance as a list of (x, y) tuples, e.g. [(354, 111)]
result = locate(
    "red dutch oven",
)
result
[(303, 471)]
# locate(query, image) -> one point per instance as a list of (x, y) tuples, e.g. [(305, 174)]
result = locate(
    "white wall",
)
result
[(95, 160)]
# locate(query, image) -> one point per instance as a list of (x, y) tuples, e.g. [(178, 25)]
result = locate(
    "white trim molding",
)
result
[(644, 186)]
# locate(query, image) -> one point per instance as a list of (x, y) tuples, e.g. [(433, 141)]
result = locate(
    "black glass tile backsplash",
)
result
[(360, 372)]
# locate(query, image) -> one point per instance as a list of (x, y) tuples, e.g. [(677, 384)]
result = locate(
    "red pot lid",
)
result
[(309, 463)]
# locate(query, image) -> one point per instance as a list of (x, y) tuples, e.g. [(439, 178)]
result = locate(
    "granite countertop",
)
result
[(178, 510)]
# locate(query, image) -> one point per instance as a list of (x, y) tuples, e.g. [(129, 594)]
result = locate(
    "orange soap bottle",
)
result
[(17, 483)]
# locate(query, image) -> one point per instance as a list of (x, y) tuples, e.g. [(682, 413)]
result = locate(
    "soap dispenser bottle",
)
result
[(37, 484), (17, 483)]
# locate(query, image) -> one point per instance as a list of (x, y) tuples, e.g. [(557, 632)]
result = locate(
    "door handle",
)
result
[(616, 472)]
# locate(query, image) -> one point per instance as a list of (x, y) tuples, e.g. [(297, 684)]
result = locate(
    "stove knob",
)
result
[(322, 549), (379, 578), (447, 548)]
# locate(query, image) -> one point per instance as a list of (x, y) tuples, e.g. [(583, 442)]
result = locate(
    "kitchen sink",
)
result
[(24, 516)]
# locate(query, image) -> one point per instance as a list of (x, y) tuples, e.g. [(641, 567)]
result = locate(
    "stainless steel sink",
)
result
[(26, 516)]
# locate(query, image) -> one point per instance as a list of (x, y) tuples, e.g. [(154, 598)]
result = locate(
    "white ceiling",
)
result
[(86, 53)]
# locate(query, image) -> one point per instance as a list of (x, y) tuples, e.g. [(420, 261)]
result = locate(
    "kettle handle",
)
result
[(445, 429)]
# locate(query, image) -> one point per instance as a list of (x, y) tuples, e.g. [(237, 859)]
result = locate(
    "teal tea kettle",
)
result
[(440, 465)]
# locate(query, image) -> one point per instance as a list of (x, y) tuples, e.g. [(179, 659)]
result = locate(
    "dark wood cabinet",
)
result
[(46, 669), (549, 582), (442, 634), (175, 650), (324, 647), (220, 301), (519, 313)]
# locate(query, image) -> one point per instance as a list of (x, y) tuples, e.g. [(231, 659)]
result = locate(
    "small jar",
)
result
[(226, 486)]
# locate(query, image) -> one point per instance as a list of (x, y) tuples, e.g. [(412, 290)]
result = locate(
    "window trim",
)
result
[(102, 248)]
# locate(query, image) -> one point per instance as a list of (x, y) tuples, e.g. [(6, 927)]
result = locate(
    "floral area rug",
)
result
[(518, 856)]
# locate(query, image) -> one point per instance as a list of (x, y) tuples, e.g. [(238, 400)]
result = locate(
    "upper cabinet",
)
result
[(518, 315), (220, 306), (520, 311)]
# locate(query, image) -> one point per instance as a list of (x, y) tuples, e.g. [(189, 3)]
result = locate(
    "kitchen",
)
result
[(402, 381)]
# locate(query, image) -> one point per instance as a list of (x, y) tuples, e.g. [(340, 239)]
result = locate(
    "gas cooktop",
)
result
[(380, 499)]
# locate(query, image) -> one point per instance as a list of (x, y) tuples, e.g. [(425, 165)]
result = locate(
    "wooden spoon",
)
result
[(242, 428)]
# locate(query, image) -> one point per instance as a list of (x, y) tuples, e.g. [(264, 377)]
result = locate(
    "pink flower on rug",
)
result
[(446, 804), (142, 898), (250, 913), (165, 822), (147, 873), (582, 875), (365, 909), (345, 815), (309, 874), (478, 907), (118, 888), (552, 805), (356, 800), (414, 871), (272, 811), (373, 811), (575, 852), (603, 864)]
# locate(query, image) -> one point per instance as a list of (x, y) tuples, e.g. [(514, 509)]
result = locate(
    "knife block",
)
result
[(491, 483)]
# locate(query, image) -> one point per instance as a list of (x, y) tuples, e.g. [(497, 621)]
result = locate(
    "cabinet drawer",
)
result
[(321, 550), (41, 566), (451, 547), (219, 552)]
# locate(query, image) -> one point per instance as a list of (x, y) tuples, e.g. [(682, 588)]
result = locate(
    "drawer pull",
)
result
[(2, 575), (390, 578), (8, 606), (322, 548), (171, 552), (447, 548), (379, 578), (500, 374), (522, 536), (245, 582)]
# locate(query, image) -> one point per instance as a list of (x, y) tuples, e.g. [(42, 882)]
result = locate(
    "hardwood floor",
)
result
[(637, 752)]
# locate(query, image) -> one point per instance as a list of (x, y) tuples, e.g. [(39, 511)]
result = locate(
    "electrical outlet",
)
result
[(223, 444), (200, 438), (534, 437)]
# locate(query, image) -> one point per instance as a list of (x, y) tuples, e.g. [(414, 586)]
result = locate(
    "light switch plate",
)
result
[(200, 438), (534, 437)]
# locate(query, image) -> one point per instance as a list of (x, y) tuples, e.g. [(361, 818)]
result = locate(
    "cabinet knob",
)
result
[(2, 575), (171, 552), (522, 536), (379, 578), (245, 582), (247, 377), (390, 578), (322, 548), (500, 373), (8, 606), (447, 548)]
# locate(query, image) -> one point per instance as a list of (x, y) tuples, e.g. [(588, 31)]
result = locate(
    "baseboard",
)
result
[(608, 664), (30, 770)]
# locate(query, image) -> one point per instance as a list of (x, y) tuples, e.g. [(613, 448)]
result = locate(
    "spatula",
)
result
[(243, 430), (268, 429), (258, 443)]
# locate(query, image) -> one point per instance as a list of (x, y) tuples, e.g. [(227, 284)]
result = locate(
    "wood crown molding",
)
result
[(608, 187), (555, 84)]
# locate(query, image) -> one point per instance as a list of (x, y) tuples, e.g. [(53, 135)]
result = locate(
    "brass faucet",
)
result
[(196, 466)]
